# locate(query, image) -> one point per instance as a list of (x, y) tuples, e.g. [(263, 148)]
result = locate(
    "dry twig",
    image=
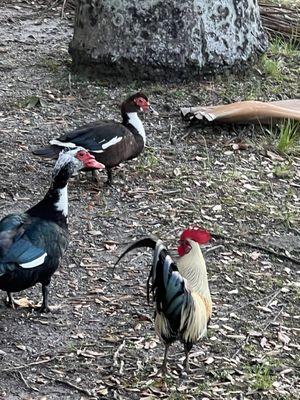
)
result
[(257, 247), (31, 364), (71, 385)]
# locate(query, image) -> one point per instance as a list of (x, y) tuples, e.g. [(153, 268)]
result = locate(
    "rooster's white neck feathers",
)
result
[(193, 268)]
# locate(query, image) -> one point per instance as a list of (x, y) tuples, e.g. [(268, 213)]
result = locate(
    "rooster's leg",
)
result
[(187, 349), (44, 307)]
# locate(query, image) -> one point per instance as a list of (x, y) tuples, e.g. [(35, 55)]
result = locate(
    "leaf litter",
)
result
[(99, 341)]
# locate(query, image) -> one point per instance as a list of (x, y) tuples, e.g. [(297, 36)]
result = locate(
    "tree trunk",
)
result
[(163, 39)]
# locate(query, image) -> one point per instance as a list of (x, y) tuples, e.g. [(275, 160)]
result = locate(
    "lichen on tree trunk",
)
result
[(163, 38)]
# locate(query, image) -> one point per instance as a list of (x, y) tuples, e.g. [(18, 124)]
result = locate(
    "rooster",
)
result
[(180, 290)]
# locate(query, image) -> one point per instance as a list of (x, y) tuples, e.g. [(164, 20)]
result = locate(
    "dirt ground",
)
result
[(99, 341)]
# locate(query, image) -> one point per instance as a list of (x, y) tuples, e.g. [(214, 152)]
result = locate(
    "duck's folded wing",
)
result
[(15, 248), (25, 254), (97, 137)]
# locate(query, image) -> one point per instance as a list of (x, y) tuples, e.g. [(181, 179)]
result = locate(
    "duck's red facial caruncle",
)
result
[(88, 160), (142, 103)]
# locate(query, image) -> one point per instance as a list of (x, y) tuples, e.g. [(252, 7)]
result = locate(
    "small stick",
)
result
[(256, 246), (26, 383), (275, 294), (72, 385), (117, 353), (171, 140), (245, 341), (63, 8), (272, 320), (29, 365)]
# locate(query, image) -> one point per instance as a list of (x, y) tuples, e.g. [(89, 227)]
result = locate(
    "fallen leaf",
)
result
[(263, 342), (255, 255), (95, 233), (24, 302), (177, 172), (21, 347), (283, 338), (274, 156)]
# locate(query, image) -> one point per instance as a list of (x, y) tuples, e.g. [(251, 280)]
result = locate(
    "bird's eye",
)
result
[(140, 102), (80, 155)]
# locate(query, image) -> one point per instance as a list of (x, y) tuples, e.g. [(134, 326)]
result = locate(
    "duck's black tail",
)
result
[(48, 152)]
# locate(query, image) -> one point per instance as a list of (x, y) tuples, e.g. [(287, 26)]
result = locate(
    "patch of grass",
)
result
[(156, 88), (133, 87), (200, 388), (31, 102), (289, 137), (278, 282), (279, 45), (283, 171), (250, 348), (52, 64), (271, 67), (101, 93), (177, 396), (261, 376), (179, 94), (148, 161)]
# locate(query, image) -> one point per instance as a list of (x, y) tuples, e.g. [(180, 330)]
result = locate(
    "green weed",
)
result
[(279, 45), (271, 67), (289, 137), (283, 171), (262, 379)]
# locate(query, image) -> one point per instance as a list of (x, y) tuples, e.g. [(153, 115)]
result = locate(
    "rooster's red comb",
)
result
[(198, 235)]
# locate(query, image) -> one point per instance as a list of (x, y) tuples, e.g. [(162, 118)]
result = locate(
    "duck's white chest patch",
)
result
[(135, 121), (62, 203)]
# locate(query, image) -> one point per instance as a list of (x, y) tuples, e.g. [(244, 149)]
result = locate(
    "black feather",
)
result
[(48, 152), (147, 241)]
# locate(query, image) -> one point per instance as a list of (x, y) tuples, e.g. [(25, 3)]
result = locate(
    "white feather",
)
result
[(62, 144), (113, 141), (35, 263), (162, 326), (135, 121), (193, 268), (62, 203), (194, 318)]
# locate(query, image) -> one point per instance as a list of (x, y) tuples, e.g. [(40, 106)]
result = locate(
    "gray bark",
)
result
[(163, 38)]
